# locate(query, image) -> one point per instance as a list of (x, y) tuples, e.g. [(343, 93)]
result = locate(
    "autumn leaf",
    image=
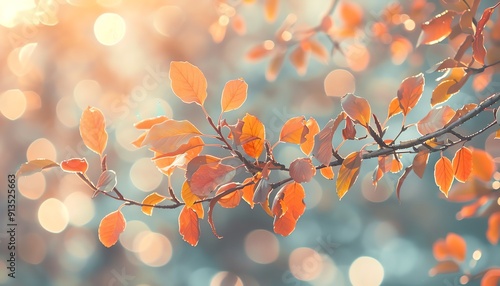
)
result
[(420, 163), (258, 52), (288, 206), (318, 50), (443, 175), (150, 122), (75, 165), (248, 192), (461, 112), (313, 129), (107, 181), (253, 133), (436, 29), (189, 227), (188, 82), (232, 199), (210, 219), (275, 65), (493, 232), (170, 135), (152, 200), (294, 130), (262, 191), (207, 177), (93, 130), (198, 161), (111, 227), (462, 164), (348, 173), (357, 108), (234, 95), (167, 164), (394, 108), (193, 146), (483, 165), (302, 170), (478, 50), (35, 166), (299, 58), (351, 14), (349, 132), (410, 91), (453, 246), (436, 119), (323, 145), (444, 267), (401, 180), (441, 94), (271, 9), (491, 277)]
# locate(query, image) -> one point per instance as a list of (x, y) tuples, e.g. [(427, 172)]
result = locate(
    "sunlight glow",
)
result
[(366, 271), (53, 215), (109, 29)]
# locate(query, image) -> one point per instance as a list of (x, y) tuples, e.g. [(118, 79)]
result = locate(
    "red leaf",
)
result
[(210, 219), (302, 170), (478, 50), (410, 91), (349, 132), (111, 227), (436, 29), (188, 82), (348, 173), (288, 206), (189, 227), (93, 130), (443, 175), (401, 180), (75, 165)]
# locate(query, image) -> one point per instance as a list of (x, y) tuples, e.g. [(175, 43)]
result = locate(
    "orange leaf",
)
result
[(453, 246), (302, 170), (234, 95), (493, 232), (111, 227), (349, 132), (462, 111), (491, 277), (401, 180), (288, 206), (462, 164), (208, 177), (497, 134), (444, 267), (193, 146), (327, 173), (35, 166), (75, 165), (271, 9), (318, 50), (348, 173), (149, 122), (253, 131), (351, 14), (93, 130), (420, 163), (235, 131), (299, 58), (436, 119), (441, 93), (294, 130), (308, 144), (443, 175), (189, 199), (199, 161), (483, 165), (168, 164), (394, 108), (238, 24), (323, 143), (248, 192), (410, 91), (470, 190), (478, 50), (275, 65), (259, 51), (436, 29), (188, 82), (189, 227), (210, 219), (152, 199), (232, 199), (396, 166), (170, 135), (357, 108)]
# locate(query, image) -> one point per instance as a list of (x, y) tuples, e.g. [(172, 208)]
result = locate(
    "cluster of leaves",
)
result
[(179, 144)]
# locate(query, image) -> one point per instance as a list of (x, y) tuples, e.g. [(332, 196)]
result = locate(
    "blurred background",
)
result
[(60, 56)]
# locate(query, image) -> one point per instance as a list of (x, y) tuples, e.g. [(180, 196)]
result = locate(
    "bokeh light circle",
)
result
[(225, 278), (339, 82), (168, 20), (109, 29), (41, 148), (80, 208), (366, 271), (13, 104), (32, 186), (262, 246), (144, 175), (305, 263), (154, 249), (53, 215)]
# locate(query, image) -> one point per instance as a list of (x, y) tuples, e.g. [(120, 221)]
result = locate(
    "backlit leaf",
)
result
[(453, 246), (189, 199), (107, 181), (348, 173), (478, 50), (483, 165), (149, 122), (207, 177), (410, 91), (111, 227), (288, 206), (170, 135), (441, 94), (349, 132), (275, 65), (394, 108), (436, 29), (210, 219), (262, 191), (93, 130), (232, 199), (189, 227), (248, 192), (294, 130), (327, 173), (420, 163), (462, 111), (462, 164), (152, 199), (234, 94), (318, 50), (302, 170), (199, 161), (401, 180), (193, 146), (308, 145), (443, 175), (75, 165), (258, 52), (254, 131), (35, 166), (351, 14), (188, 82), (357, 108), (444, 267), (493, 232), (436, 119), (298, 58), (491, 277)]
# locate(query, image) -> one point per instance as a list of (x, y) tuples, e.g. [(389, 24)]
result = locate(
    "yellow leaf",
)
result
[(327, 173), (188, 82), (234, 95), (152, 199), (440, 93), (348, 173), (35, 166), (93, 130)]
